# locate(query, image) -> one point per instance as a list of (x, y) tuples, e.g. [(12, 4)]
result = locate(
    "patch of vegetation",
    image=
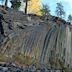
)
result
[(22, 59), (3, 58), (66, 69)]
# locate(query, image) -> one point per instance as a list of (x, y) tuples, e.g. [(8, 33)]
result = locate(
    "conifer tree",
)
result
[(70, 18), (45, 10), (15, 4), (60, 10)]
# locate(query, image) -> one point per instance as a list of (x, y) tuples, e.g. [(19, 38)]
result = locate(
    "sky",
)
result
[(52, 4)]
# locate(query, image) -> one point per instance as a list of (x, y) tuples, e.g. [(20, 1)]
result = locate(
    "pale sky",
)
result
[(52, 4)]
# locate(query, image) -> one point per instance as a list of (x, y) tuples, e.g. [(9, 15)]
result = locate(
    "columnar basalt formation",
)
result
[(34, 40)]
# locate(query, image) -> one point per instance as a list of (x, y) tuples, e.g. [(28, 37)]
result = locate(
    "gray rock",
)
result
[(42, 40)]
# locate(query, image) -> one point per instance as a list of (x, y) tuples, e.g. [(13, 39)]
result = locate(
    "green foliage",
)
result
[(59, 10), (18, 4), (2, 58), (22, 59), (15, 4), (45, 10)]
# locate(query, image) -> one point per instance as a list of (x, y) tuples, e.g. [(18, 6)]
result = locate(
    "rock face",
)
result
[(34, 40)]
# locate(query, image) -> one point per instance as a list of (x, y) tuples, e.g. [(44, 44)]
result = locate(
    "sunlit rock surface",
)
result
[(34, 40)]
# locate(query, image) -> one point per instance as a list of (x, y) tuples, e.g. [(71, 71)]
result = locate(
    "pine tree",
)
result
[(70, 18), (59, 10), (45, 10), (15, 4)]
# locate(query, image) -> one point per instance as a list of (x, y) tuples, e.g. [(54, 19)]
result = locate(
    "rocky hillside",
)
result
[(36, 40)]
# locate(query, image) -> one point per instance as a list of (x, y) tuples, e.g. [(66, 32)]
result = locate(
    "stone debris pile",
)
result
[(32, 68)]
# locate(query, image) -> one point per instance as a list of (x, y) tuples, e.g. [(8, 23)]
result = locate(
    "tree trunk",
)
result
[(26, 6), (6, 1)]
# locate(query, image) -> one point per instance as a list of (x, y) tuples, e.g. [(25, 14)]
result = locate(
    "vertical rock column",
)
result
[(68, 46)]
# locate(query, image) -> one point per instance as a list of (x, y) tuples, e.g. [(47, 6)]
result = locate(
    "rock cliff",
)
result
[(38, 40)]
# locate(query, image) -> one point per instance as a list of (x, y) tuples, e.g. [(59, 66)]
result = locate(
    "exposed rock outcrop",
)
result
[(37, 40)]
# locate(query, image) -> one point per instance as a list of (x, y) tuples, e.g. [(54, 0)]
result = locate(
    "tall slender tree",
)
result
[(6, 1), (60, 10), (70, 18), (26, 4)]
